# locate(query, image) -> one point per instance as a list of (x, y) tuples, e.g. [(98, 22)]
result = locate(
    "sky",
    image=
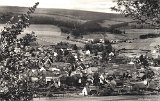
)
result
[(89, 5)]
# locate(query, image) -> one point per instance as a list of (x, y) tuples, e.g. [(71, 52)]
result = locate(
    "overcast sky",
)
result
[(90, 5)]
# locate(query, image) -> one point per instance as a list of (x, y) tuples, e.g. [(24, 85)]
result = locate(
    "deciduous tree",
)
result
[(144, 11)]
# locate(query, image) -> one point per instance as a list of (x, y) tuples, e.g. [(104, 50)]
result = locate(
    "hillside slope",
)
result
[(7, 11)]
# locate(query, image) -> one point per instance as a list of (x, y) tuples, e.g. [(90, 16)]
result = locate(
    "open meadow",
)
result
[(106, 98), (135, 33), (50, 34), (46, 34)]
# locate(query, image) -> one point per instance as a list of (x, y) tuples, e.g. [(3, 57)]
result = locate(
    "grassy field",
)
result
[(48, 33), (89, 15), (48, 16), (106, 98), (143, 44), (83, 15), (135, 33)]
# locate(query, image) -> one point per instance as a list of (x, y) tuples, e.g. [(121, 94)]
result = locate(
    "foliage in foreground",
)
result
[(14, 77), (144, 11)]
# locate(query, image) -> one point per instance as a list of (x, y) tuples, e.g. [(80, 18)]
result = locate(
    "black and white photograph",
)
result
[(79, 50)]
